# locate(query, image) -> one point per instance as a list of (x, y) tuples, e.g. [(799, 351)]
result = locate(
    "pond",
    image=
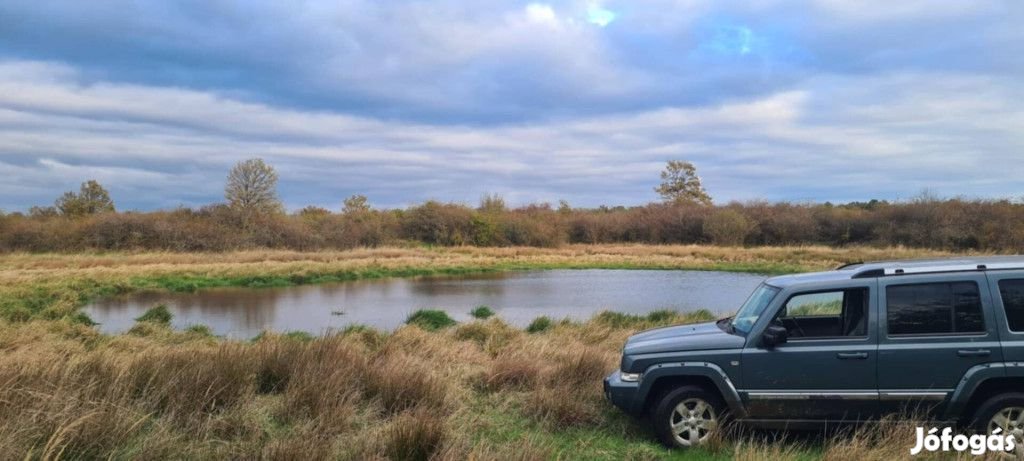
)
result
[(516, 297)]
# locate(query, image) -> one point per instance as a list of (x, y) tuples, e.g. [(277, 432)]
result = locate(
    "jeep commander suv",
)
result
[(942, 338)]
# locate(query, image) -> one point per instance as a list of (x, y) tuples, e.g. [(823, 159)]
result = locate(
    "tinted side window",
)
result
[(1012, 292), (934, 308)]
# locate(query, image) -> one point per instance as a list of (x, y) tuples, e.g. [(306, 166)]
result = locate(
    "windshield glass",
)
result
[(753, 308)]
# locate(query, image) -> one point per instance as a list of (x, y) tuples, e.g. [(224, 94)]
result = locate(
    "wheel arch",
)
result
[(659, 379), (980, 384)]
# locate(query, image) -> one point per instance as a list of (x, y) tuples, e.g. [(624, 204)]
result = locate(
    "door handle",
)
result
[(852, 355), (973, 352)]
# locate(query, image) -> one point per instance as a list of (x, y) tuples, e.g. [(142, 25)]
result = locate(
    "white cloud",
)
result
[(832, 140), (541, 13)]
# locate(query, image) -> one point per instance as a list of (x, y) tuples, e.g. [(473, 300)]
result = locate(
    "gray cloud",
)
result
[(496, 62), (837, 138)]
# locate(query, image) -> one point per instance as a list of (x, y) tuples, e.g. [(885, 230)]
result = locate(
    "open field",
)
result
[(479, 390)]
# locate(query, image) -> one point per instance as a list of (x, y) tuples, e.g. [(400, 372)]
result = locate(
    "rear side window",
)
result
[(934, 308), (1012, 292)]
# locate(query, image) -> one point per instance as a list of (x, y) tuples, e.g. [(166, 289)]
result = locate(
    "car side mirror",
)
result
[(774, 335)]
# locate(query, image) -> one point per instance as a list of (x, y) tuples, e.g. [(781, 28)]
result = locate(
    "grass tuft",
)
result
[(200, 330), (81, 318), (430, 319), (482, 312), (415, 436), (156, 314), (539, 324)]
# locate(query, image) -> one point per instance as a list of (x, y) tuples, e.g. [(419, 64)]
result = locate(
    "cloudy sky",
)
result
[(579, 100)]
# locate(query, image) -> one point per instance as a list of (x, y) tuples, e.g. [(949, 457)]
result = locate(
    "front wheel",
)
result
[(688, 416)]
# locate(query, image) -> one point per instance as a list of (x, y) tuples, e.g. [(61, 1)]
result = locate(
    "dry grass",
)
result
[(411, 394), (481, 390), (19, 268)]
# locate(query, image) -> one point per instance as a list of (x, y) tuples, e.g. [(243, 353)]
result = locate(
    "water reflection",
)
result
[(518, 297)]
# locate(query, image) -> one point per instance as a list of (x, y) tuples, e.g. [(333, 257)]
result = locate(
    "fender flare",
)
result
[(973, 378), (703, 369)]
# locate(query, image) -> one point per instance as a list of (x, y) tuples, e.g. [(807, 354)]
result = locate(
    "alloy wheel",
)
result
[(693, 420)]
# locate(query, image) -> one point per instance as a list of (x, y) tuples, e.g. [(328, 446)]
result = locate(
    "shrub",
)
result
[(539, 324), (955, 224), (156, 314), (727, 227), (440, 224), (481, 312), (430, 319)]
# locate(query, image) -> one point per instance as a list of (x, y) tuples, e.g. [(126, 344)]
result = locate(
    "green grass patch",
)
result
[(430, 319), (621, 437), (201, 330), (539, 324), (156, 314), (482, 312)]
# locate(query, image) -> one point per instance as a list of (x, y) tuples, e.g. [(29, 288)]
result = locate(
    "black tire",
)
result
[(1013, 404), (989, 408), (663, 415)]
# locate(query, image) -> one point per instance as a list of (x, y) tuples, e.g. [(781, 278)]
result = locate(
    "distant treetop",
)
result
[(91, 198), (680, 184), (252, 187)]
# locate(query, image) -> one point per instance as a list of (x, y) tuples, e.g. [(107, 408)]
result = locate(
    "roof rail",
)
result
[(845, 265), (962, 267), (870, 273)]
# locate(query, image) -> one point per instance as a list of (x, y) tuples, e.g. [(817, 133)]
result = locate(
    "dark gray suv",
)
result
[(941, 338)]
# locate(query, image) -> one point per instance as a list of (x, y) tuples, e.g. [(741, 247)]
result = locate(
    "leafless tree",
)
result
[(252, 188)]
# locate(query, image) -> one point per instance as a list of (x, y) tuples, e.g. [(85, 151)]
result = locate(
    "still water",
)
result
[(516, 297)]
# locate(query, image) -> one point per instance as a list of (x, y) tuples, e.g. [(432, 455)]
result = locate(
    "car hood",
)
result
[(695, 337)]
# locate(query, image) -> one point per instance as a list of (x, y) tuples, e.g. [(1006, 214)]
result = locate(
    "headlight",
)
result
[(629, 377)]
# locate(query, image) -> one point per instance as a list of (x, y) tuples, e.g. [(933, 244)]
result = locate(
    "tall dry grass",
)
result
[(498, 393)]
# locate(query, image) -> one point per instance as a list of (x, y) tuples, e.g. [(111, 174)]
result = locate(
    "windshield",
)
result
[(753, 308)]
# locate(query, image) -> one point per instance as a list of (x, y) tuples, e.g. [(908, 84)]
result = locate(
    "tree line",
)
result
[(252, 217)]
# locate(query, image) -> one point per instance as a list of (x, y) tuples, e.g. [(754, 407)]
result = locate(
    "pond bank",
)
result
[(54, 286)]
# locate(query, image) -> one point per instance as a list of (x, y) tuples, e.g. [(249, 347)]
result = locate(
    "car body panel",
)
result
[(781, 382), (695, 337)]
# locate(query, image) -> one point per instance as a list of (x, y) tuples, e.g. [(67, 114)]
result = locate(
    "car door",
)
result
[(934, 329), (824, 374), (1007, 289)]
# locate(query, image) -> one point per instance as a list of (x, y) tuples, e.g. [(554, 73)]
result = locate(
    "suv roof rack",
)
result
[(895, 269)]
